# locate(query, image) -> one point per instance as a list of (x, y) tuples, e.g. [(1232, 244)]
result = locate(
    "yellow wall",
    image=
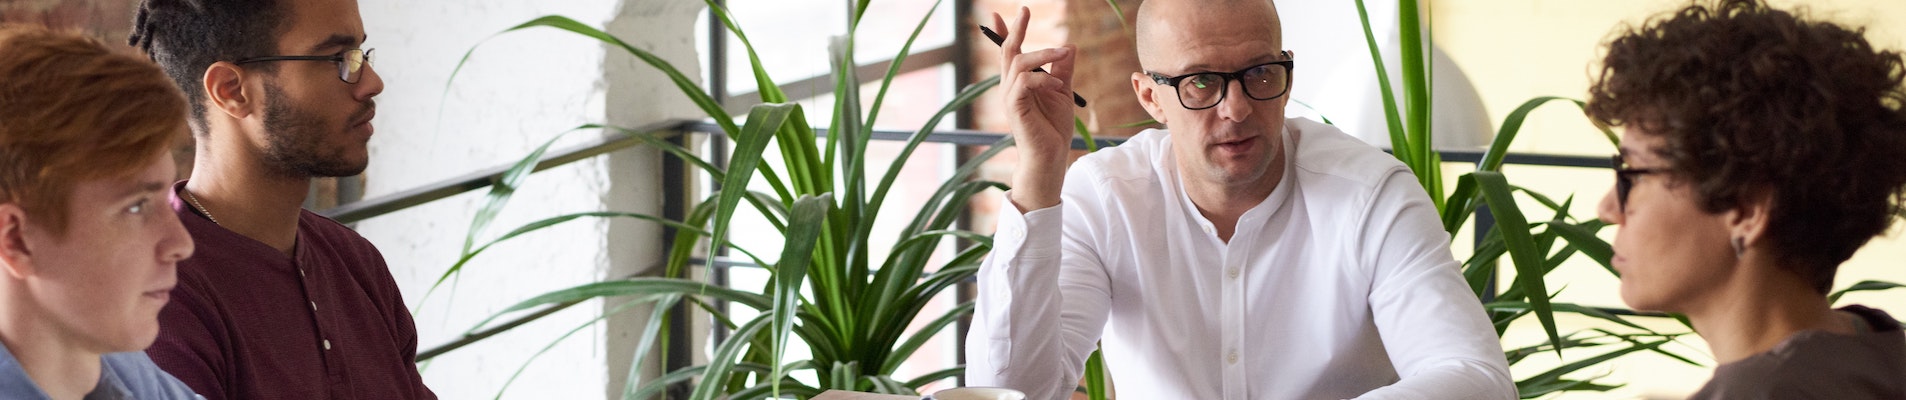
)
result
[(1515, 50)]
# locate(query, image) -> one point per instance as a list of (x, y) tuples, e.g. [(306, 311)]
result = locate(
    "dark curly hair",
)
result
[(1752, 101), (186, 36)]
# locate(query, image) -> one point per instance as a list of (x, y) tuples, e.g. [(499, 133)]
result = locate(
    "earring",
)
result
[(1740, 246)]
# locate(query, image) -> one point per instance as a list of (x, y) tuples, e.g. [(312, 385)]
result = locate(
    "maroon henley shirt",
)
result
[(248, 322)]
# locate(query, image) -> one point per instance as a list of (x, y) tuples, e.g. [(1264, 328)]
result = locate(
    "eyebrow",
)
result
[(143, 188), (1201, 67), (338, 41)]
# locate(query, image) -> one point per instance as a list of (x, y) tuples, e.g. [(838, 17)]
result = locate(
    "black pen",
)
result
[(1076, 99)]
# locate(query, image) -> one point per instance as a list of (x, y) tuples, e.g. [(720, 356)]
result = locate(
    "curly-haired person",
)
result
[(1760, 149)]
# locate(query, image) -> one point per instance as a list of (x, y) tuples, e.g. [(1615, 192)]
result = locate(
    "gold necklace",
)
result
[(200, 207)]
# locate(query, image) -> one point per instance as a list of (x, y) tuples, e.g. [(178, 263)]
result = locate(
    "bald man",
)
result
[(1237, 255)]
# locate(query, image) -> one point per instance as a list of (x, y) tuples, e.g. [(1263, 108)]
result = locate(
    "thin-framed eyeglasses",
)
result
[(351, 62), (1625, 180), (1202, 90)]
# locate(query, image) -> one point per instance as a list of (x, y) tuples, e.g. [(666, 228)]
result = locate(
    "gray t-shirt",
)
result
[(1821, 365)]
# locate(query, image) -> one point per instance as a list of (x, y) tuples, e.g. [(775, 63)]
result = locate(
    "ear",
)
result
[(225, 88), (15, 258), (1143, 87), (1285, 100), (1748, 221)]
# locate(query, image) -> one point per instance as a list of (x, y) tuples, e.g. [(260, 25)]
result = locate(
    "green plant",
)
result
[(852, 311), (1534, 248)]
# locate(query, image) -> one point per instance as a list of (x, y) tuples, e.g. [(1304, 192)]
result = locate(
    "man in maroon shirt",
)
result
[(278, 303)]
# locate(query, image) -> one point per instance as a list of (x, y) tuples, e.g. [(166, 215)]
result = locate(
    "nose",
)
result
[(1236, 106), (1609, 210), (371, 85), (175, 244)]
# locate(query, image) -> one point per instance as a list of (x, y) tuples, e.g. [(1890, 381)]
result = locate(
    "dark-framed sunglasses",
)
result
[(1202, 90), (1625, 179), (351, 63)]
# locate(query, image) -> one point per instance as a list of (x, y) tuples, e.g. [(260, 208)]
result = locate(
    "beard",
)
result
[(294, 140)]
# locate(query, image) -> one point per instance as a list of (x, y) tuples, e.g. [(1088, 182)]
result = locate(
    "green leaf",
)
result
[(1511, 126), (763, 121), (1528, 259), (845, 376), (1120, 13), (1399, 138), (1461, 205), (557, 220), (1078, 126), (764, 85), (1862, 287), (1416, 97), (1320, 114), (632, 287), (935, 376), (1582, 237), (1565, 307), (1095, 376), (1546, 382), (676, 150), (789, 386), (723, 361), (651, 329), (687, 87), (502, 189), (797, 253), (655, 388), (920, 338), (965, 97)]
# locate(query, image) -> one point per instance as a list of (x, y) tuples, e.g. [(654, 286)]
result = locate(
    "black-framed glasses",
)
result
[(351, 62), (1202, 90), (1625, 180)]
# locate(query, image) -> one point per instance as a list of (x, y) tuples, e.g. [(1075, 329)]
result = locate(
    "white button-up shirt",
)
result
[(1339, 285)]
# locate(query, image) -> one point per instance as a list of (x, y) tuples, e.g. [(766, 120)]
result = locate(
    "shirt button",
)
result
[(1233, 358), (1234, 274), (327, 346), (314, 305), (301, 272), (1207, 229)]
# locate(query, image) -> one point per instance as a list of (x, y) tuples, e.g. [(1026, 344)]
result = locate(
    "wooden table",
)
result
[(846, 395)]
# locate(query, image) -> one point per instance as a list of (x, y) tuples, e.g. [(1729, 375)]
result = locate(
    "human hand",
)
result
[(1040, 112)]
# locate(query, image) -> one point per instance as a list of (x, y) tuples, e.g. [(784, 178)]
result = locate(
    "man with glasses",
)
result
[(279, 302), (1239, 255)]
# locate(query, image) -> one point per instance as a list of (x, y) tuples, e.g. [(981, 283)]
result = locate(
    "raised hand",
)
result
[(1040, 110)]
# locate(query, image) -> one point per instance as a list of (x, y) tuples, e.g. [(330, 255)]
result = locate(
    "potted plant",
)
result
[(852, 311)]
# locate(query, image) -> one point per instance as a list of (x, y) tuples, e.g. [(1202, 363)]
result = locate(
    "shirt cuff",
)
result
[(1030, 235)]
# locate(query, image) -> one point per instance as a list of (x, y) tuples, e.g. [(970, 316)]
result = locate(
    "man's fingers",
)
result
[(999, 27), (1005, 56), (1016, 35), (1062, 67), (1028, 61)]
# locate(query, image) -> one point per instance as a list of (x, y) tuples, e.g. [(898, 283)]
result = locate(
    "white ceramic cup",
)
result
[(979, 393)]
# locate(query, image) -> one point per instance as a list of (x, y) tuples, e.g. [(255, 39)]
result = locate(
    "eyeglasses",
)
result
[(1202, 90), (351, 62), (1625, 180)]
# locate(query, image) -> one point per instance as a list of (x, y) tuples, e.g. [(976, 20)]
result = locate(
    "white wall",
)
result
[(517, 91)]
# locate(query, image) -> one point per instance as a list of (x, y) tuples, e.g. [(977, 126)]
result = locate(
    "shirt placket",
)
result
[(1231, 317), (333, 371)]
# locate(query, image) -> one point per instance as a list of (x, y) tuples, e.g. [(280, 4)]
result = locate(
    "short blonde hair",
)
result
[(71, 109)]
